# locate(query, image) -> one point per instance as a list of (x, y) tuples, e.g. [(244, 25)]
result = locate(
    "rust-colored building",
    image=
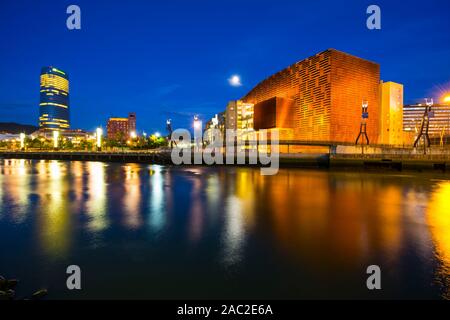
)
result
[(121, 127), (319, 98)]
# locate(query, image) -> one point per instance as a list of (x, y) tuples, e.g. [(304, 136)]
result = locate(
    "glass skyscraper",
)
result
[(54, 99)]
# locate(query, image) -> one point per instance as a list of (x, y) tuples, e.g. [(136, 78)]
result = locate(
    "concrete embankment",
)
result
[(138, 157), (379, 162), (415, 162)]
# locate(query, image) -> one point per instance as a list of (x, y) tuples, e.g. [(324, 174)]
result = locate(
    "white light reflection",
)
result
[(157, 214), (234, 231)]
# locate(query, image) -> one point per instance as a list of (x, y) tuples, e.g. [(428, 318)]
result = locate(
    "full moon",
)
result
[(235, 81)]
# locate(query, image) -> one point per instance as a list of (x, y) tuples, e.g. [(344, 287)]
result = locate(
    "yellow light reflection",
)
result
[(2, 165), (438, 218), (245, 190), (96, 204), (54, 219), (17, 187), (132, 196)]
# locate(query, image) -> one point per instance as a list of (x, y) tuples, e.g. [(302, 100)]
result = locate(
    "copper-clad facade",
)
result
[(326, 92)]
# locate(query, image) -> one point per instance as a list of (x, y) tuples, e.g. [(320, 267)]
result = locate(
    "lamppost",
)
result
[(55, 139), (22, 141), (197, 133), (99, 133)]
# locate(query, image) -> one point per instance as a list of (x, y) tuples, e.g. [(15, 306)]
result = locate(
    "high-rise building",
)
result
[(131, 123), (391, 131), (121, 128), (54, 100), (319, 98), (231, 115)]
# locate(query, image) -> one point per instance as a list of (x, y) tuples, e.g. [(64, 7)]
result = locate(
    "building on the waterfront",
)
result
[(121, 128), (54, 100), (9, 136), (317, 99), (231, 115), (239, 115), (391, 130), (439, 121), (218, 123), (131, 123), (70, 134)]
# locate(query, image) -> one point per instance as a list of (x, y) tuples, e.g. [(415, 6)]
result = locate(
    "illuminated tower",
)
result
[(54, 99)]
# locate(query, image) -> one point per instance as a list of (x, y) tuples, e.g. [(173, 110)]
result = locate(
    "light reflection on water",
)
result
[(96, 205), (157, 208), (438, 218), (292, 235)]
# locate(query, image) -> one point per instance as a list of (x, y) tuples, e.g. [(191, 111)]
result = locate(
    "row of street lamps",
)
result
[(98, 137)]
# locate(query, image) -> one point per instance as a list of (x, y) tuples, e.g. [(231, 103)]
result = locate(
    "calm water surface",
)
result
[(147, 231)]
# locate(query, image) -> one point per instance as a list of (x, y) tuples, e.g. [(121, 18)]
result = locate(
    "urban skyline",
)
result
[(315, 99), (108, 80), (250, 152)]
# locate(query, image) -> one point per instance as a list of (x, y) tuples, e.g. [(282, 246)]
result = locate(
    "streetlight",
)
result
[(157, 134), (447, 98), (99, 133), (22, 141), (197, 123), (197, 133), (133, 134), (55, 139)]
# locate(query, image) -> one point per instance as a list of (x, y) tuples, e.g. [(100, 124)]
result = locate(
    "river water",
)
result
[(149, 231)]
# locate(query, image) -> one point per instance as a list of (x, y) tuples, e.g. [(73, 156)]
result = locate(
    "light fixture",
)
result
[(99, 133), (55, 139)]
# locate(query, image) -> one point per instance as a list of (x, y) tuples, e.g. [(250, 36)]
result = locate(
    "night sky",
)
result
[(173, 59)]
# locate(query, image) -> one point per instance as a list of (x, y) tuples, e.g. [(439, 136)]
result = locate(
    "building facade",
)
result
[(391, 130), (121, 128), (439, 121), (131, 123), (239, 115), (319, 98), (54, 100)]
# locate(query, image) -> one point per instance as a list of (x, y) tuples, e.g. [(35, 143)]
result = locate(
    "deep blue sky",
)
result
[(173, 58)]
